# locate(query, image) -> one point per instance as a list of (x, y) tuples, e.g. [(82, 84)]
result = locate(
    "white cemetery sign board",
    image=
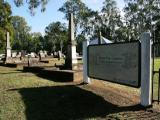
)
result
[(115, 62)]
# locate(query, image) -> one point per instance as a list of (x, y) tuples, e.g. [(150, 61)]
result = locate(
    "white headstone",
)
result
[(42, 55), (45, 53), (33, 55), (19, 54), (59, 54), (14, 54)]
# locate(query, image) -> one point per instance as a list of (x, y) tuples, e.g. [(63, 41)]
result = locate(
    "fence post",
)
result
[(86, 79), (146, 70), (158, 86)]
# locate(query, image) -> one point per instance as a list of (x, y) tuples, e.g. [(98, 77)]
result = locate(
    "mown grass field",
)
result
[(156, 79), (12, 105), (25, 96)]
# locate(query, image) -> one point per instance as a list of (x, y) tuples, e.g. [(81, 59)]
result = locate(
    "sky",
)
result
[(40, 20)]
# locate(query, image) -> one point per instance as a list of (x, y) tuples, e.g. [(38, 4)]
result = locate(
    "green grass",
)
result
[(11, 102), (24, 96), (157, 64), (156, 77)]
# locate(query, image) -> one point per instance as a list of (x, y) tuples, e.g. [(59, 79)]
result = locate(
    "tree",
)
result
[(5, 22), (79, 10), (87, 22), (80, 38), (32, 4), (21, 33), (110, 19), (107, 21), (56, 36), (35, 43), (141, 15)]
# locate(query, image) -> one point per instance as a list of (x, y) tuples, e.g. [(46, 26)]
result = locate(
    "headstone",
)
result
[(14, 54), (33, 55), (41, 55), (23, 53), (71, 59), (59, 54), (2, 56), (55, 54), (45, 53), (19, 55)]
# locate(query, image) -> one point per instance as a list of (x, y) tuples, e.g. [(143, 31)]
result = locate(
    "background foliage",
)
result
[(139, 16)]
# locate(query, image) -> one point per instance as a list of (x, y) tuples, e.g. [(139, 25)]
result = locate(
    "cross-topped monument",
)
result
[(71, 59)]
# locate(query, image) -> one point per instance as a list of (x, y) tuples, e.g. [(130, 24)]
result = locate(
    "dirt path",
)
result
[(124, 101)]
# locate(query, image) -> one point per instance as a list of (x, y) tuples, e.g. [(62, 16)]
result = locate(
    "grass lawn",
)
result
[(156, 77), (25, 96), (12, 82)]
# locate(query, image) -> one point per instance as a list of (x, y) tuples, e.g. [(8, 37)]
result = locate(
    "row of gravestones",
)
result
[(41, 54), (22, 57)]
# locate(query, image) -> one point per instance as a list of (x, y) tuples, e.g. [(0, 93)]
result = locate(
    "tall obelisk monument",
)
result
[(8, 47), (71, 58)]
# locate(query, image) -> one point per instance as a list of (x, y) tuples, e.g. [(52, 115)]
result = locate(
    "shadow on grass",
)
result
[(56, 76), (67, 102), (52, 75)]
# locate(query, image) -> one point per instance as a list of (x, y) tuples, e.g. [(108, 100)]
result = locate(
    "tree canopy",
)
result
[(141, 15), (5, 22), (56, 36), (21, 33), (32, 4)]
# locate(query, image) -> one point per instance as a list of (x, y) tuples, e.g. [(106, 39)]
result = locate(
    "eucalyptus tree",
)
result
[(79, 10), (32, 4), (21, 33), (5, 22), (141, 16), (56, 36), (35, 42), (80, 38), (110, 19)]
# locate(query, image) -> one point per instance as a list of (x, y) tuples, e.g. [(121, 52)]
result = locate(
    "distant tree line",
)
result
[(138, 16)]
